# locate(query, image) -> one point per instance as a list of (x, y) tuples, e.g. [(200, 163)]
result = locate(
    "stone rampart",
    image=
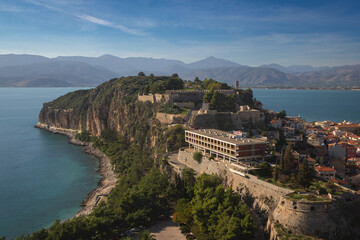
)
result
[(309, 218), (264, 196), (166, 118), (225, 120), (153, 98), (324, 219)]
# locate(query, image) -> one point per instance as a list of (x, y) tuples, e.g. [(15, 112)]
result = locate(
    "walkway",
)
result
[(167, 230)]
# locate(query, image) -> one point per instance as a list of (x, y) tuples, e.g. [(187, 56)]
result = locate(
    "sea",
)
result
[(313, 105), (43, 178)]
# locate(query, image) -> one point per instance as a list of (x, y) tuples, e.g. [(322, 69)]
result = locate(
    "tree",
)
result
[(288, 160), (208, 96), (276, 173), (197, 156), (175, 75), (250, 132), (305, 174), (146, 235), (141, 74), (197, 80), (281, 114), (146, 89)]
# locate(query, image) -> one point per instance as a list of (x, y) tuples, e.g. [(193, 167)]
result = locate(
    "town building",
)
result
[(326, 173), (353, 127), (225, 145), (337, 150)]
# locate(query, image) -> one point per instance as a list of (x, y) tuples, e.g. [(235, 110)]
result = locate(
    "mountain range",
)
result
[(39, 71)]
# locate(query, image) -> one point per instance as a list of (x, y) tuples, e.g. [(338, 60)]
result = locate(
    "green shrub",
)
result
[(84, 136), (197, 157)]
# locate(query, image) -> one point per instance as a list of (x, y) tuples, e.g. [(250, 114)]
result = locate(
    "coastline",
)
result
[(108, 177)]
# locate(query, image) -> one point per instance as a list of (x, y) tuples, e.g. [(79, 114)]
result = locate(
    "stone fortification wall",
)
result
[(190, 105), (328, 220), (261, 195), (191, 96), (153, 98), (310, 218), (225, 121), (166, 118)]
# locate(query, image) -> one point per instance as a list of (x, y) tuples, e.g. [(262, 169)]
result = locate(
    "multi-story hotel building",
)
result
[(225, 145)]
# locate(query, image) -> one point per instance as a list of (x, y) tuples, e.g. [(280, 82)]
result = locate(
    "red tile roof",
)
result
[(324, 169)]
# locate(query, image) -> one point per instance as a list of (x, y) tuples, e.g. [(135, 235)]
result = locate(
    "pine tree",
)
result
[(305, 174)]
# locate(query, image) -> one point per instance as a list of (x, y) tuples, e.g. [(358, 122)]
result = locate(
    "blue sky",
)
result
[(248, 32)]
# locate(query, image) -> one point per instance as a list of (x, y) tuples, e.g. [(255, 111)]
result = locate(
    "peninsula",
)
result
[(161, 132)]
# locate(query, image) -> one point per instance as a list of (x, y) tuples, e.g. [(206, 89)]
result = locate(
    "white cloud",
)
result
[(109, 24), (87, 17)]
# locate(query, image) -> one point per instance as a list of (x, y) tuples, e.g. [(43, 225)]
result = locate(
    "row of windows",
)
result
[(209, 140)]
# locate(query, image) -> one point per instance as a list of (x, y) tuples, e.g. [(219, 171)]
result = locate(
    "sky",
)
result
[(289, 32)]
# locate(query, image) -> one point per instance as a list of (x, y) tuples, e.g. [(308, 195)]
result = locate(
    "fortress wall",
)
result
[(246, 116), (154, 98), (166, 118), (190, 105), (319, 219), (310, 218), (145, 98), (265, 195)]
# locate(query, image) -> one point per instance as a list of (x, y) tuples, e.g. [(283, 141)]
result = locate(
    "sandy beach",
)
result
[(108, 177)]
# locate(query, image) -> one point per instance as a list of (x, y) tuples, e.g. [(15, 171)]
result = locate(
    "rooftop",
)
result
[(325, 169), (227, 137)]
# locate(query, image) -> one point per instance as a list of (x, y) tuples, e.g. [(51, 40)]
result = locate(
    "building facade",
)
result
[(225, 145)]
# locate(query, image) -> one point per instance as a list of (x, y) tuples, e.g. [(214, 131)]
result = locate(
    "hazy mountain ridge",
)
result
[(33, 70), (294, 68), (54, 73)]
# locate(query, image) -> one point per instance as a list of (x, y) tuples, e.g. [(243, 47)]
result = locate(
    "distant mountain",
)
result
[(32, 70), (22, 59), (212, 62), (294, 68), (247, 76), (54, 74), (343, 76), (126, 66)]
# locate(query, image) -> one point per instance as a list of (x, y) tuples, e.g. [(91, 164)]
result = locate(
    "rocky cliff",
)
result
[(111, 105)]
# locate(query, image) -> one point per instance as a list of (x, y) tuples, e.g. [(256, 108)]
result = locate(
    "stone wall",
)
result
[(225, 121), (153, 98), (264, 196), (328, 219), (166, 118)]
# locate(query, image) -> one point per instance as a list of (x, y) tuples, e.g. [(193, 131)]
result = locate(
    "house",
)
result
[(350, 151), (352, 127), (321, 154), (331, 138), (343, 183), (326, 173), (276, 123), (315, 140), (273, 135), (311, 161), (337, 150), (288, 131)]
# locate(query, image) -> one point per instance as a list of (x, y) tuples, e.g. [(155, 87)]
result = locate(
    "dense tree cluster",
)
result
[(214, 212), (220, 102)]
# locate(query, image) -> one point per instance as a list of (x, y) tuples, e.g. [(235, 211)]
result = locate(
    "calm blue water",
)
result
[(313, 105), (42, 177)]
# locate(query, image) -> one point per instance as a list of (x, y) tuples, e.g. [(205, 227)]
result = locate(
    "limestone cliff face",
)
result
[(108, 106)]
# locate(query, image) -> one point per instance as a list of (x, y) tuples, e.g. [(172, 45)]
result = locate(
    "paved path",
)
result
[(166, 230)]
